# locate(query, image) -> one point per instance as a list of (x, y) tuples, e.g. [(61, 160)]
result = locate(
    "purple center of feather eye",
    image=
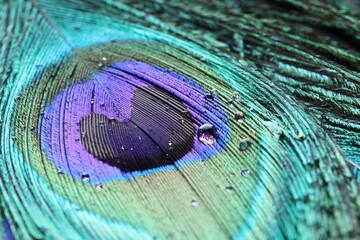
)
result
[(130, 119), (154, 135)]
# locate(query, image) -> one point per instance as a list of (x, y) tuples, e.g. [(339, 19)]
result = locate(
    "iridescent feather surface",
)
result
[(179, 119)]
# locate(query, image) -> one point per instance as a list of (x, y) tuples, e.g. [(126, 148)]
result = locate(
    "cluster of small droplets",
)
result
[(207, 135)]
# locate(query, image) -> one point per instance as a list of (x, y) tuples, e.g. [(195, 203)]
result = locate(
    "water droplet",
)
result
[(195, 202), (213, 94), (100, 65), (236, 97), (229, 189), (207, 133), (244, 144), (301, 136), (112, 120), (232, 174), (59, 172), (240, 117), (184, 113), (98, 186), (230, 103), (104, 58), (170, 143), (85, 177), (245, 172), (13, 137)]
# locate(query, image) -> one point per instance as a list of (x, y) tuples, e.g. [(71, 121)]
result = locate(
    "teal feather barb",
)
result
[(171, 120)]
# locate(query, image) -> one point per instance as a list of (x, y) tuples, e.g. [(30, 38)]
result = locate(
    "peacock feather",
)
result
[(180, 119)]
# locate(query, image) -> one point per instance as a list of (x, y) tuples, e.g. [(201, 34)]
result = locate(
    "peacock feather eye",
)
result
[(172, 120), (134, 112), (129, 118)]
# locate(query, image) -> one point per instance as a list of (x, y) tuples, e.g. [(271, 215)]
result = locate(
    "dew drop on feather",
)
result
[(98, 186), (195, 203), (236, 97), (244, 144), (85, 177), (240, 117), (245, 172), (207, 133), (229, 189)]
